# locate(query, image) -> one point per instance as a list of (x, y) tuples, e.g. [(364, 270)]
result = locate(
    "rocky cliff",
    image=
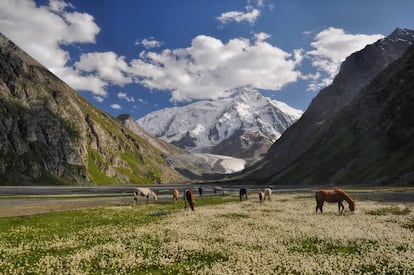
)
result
[(51, 135)]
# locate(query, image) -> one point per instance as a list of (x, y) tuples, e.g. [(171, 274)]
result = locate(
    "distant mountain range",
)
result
[(243, 126), (359, 130)]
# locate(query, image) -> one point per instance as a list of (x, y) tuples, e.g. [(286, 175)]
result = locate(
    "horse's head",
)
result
[(155, 196), (352, 206)]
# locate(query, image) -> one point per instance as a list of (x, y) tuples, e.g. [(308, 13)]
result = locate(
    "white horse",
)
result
[(261, 197), (218, 189), (144, 192), (268, 194)]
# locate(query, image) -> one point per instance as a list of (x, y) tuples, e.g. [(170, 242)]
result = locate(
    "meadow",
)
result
[(222, 236)]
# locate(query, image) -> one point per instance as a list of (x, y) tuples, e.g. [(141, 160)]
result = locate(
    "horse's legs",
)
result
[(185, 200), (340, 207), (319, 206)]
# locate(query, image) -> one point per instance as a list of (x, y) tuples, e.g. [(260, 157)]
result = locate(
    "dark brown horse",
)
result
[(243, 194), (337, 195), (189, 197)]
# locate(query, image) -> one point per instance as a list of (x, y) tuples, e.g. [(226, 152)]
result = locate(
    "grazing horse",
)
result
[(268, 193), (218, 189), (243, 194), (144, 192), (337, 195), (189, 197), (175, 193), (261, 197), (200, 191)]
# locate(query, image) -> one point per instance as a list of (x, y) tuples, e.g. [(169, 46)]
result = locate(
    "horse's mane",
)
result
[(345, 194)]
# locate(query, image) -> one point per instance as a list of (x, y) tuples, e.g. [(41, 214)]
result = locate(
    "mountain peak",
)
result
[(401, 33), (123, 117), (217, 126)]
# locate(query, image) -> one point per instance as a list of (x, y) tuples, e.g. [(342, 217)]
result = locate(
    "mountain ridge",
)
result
[(312, 129), (243, 126)]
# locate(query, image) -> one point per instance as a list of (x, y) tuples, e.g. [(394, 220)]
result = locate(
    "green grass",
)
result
[(321, 246), (393, 210), (97, 177)]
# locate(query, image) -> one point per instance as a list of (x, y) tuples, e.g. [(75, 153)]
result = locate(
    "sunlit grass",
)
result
[(222, 236)]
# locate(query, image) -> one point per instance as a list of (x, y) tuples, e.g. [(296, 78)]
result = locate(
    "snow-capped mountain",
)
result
[(243, 126)]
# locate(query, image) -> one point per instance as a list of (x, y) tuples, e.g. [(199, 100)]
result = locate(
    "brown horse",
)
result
[(337, 195), (189, 197), (175, 193)]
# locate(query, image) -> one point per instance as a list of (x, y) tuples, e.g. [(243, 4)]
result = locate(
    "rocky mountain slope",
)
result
[(351, 134), (51, 135), (244, 126)]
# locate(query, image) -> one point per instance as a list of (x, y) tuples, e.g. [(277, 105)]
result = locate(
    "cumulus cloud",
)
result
[(250, 15), (124, 96), (42, 30), (211, 69), (107, 65), (116, 106), (331, 47)]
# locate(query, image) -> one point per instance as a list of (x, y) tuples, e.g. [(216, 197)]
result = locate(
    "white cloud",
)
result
[(116, 106), (150, 43), (58, 5), (250, 16), (331, 47), (260, 37), (106, 65), (124, 96), (98, 99), (212, 69), (42, 30)]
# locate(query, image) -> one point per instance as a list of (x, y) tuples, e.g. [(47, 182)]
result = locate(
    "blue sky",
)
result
[(139, 56)]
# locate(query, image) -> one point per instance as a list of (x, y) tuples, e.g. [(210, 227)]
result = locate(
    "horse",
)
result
[(268, 194), (200, 191), (243, 194), (261, 197), (337, 195), (189, 197), (218, 189), (144, 192), (175, 193)]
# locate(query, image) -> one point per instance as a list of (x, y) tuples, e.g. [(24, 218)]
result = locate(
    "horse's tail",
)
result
[(190, 198)]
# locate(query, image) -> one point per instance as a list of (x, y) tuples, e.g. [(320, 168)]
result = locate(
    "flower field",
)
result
[(223, 236)]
